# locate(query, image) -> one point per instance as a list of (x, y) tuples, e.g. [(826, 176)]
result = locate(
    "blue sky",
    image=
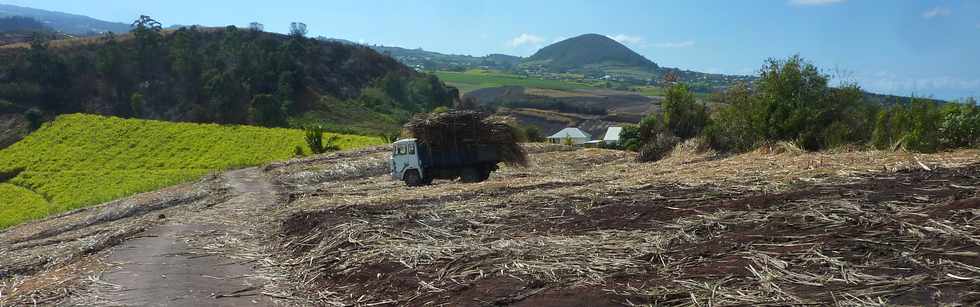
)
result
[(926, 48)]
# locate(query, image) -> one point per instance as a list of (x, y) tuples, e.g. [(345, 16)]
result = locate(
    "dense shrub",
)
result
[(922, 125), (682, 115), (657, 147), (792, 103), (318, 145), (629, 138)]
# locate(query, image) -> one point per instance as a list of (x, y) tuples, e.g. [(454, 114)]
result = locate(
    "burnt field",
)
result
[(593, 228)]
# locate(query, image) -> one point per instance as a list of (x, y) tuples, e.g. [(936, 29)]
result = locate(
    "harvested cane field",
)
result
[(591, 227), (577, 227)]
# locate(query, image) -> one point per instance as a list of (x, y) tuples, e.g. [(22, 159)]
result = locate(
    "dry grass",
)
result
[(775, 227), (768, 227)]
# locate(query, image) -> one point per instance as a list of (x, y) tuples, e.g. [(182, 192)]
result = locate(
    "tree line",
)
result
[(793, 102), (227, 75)]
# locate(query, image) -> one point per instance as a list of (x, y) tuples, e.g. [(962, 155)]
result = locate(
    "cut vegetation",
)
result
[(80, 160)]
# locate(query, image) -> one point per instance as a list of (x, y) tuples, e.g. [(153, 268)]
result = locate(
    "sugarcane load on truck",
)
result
[(467, 145)]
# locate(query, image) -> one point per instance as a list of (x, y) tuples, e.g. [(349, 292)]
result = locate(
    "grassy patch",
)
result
[(649, 90), (20, 204), (80, 160), (476, 79)]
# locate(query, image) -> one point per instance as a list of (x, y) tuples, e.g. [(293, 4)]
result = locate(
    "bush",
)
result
[(658, 147), (35, 117), (793, 103), (533, 134), (682, 115), (268, 111), (961, 125), (629, 138), (314, 139)]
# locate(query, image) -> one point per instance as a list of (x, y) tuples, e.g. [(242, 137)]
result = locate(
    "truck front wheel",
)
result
[(470, 175), (412, 178), (485, 173)]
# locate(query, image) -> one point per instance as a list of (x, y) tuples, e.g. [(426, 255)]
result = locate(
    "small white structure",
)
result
[(612, 135), (576, 136)]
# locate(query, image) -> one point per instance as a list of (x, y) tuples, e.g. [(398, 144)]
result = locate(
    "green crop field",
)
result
[(20, 204), (80, 160), (476, 79)]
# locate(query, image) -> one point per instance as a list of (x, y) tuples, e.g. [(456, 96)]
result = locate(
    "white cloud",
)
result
[(626, 39), (936, 12), (683, 44), (814, 2), (558, 39), (525, 39)]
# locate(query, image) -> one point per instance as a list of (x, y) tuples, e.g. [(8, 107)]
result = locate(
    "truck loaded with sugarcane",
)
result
[(457, 144)]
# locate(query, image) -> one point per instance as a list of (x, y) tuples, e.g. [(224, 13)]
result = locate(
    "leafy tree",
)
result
[(256, 27), (297, 29), (110, 64), (533, 134), (629, 138), (682, 115), (227, 100), (136, 103), (268, 111), (737, 126), (961, 124), (34, 117), (792, 102), (49, 72), (650, 126), (146, 32)]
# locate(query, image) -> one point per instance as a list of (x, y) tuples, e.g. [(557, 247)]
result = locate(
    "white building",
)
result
[(576, 136), (612, 135)]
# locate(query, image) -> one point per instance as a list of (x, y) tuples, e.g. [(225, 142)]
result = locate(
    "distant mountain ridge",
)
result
[(588, 50), (64, 22), (429, 60)]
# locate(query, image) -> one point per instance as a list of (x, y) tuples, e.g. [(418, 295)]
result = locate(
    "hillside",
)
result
[(429, 60), (224, 75), (17, 29), (80, 160), (586, 51), (66, 23)]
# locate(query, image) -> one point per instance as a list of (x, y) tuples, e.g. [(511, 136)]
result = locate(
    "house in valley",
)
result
[(574, 136)]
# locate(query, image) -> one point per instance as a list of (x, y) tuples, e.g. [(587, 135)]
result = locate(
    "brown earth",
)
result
[(592, 228), (580, 227)]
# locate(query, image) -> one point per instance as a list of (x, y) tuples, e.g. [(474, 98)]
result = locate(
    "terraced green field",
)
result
[(476, 79), (80, 160)]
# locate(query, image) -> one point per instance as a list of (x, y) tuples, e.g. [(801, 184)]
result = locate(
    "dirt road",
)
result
[(169, 265)]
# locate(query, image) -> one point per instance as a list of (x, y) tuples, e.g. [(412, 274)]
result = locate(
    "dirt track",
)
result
[(160, 268), (579, 228)]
